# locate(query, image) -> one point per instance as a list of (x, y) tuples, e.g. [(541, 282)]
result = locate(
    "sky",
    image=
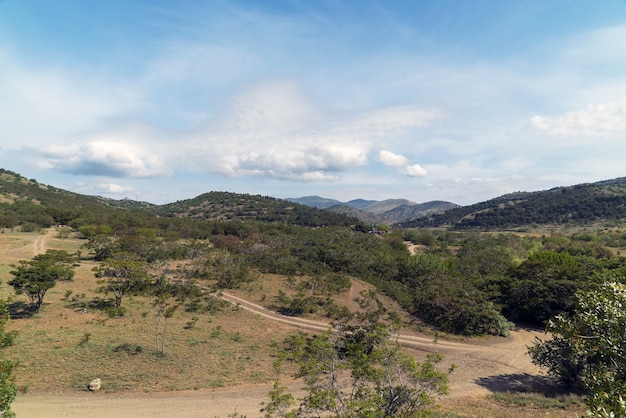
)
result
[(455, 100)]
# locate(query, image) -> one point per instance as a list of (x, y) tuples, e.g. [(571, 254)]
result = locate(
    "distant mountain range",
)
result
[(603, 203), (390, 211)]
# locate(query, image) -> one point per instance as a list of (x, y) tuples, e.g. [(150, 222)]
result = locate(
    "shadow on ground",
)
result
[(21, 309), (524, 382)]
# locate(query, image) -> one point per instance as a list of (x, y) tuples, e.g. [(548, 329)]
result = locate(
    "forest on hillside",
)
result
[(459, 282), (576, 205)]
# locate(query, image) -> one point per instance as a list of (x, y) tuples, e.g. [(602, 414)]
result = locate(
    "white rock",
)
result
[(95, 384)]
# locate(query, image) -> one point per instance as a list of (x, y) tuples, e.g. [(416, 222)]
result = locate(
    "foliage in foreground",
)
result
[(8, 388), (588, 348), (358, 370)]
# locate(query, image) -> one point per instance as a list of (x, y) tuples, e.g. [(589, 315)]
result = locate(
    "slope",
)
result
[(583, 204)]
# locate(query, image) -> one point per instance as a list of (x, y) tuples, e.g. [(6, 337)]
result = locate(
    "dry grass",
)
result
[(64, 347), (513, 406)]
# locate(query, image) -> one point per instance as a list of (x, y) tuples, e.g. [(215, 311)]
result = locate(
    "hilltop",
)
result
[(24, 201), (602, 202), (389, 211)]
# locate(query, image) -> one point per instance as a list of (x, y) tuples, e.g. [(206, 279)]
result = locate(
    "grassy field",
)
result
[(66, 345)]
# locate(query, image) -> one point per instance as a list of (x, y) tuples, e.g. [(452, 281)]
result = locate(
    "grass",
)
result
[(514, 405), (538, 400), (69, 343), (65, 346)]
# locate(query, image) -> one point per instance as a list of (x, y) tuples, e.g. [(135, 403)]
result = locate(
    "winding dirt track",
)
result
[(483, 366)]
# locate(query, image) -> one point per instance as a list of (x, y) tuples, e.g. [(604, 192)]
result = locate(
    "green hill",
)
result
[(220, 206), (583, 204), (28, 202)]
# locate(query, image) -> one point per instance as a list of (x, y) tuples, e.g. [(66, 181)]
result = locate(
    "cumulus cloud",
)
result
[(391, 159), (274, 130), (593, 120), (104, 158), (415, 170)]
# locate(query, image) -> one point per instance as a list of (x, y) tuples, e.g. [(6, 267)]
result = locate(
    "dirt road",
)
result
[(483, 366)]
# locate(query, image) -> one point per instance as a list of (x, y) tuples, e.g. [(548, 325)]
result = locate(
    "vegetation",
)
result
[(8, 388), (359, 370), (122, 274), (35, 277), (580, 204), (167, 261), (588, 348)]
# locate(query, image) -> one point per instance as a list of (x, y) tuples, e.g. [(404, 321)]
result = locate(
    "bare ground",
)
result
[(484, 366)]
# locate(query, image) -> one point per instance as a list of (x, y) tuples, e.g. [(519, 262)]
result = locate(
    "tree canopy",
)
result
[(36, 276), (588, 348)]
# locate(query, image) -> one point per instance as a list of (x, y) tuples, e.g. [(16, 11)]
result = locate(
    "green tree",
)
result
[(8, 389), (164, 309), (588, 348), (36, 276), (359, 370), (122, 274)]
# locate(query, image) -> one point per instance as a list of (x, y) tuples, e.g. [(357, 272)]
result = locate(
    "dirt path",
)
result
[(39, 244), (483, 365)]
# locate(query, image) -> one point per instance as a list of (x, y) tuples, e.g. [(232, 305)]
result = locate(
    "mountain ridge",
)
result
[(604, 202), (388, 211)]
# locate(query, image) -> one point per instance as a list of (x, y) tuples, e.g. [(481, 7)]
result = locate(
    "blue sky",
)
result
[(424, 100)]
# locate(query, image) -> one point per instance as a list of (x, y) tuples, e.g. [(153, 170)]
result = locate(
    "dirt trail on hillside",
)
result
[(482, 363), (483, 366)]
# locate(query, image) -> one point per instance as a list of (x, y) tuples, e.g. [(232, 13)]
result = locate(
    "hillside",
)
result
[(243, 207), (15, 188), (388, 211), (28, 202), (583, 204)]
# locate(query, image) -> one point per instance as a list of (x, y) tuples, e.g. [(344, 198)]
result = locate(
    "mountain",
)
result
[(404, 212), (315, 201), (363, 216), (583, 204), (387, 205), (360, 203), (28, 202), (244, 207), (388, 211)]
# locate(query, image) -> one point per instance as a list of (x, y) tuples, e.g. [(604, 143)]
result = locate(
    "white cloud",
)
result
[(272, 130), (275, 130), (111, 188), (594, 120), (415, 170), (391, 159), (104, 158)]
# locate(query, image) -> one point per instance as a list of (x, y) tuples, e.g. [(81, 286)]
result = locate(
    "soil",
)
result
[(483, 366)]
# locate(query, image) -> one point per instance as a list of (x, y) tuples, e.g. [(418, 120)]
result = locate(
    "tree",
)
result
[(122, 274), (163, 310), (35, 277), (588, 348), (8, 389), (359, 370)]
